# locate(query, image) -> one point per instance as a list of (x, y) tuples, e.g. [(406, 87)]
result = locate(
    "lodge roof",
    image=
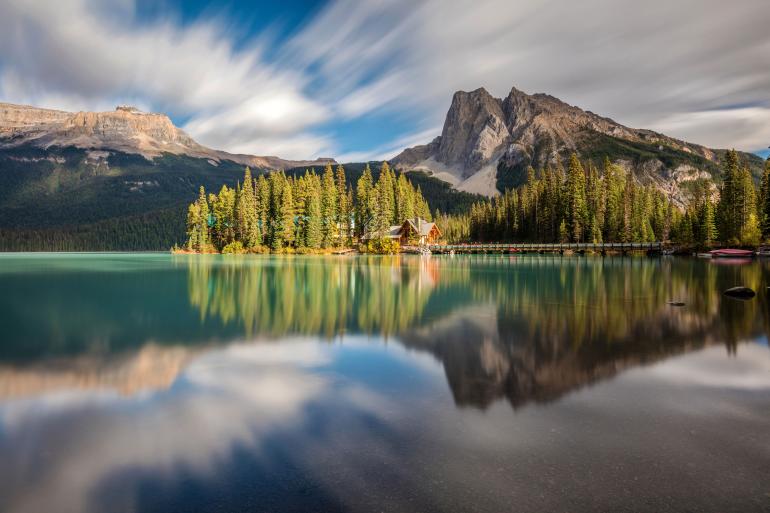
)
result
[(396, 230)]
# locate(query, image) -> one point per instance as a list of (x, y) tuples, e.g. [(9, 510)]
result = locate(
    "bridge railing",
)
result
[(533, 246)]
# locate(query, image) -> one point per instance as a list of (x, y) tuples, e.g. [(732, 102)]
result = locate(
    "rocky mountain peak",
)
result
[(474, 130), (487, 144)]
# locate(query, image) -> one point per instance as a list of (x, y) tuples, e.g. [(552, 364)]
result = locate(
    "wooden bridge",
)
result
[(576, 247)]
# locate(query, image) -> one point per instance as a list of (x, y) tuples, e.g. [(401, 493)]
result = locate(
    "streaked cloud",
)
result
[(679, 67)]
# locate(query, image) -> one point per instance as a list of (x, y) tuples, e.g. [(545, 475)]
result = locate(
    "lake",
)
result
[(160, 383)]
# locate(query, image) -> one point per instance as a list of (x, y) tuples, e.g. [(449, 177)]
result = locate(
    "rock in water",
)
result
[(743, 293)]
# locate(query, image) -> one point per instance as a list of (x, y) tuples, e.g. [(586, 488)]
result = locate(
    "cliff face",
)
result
[(474, 132), (125, 129), (487, 143)]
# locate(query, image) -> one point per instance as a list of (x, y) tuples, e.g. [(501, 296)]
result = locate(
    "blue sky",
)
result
[(360, 79)]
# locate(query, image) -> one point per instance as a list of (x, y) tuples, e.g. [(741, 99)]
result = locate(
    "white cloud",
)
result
[(663, 65), (68, 54), (230, 397), (750, 125), (636, 62)]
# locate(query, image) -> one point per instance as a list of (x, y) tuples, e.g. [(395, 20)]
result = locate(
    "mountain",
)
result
[(105, 180), (126, 129), (488, 143)]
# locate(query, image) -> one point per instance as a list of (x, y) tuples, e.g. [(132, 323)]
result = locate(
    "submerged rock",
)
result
[(740, 293)]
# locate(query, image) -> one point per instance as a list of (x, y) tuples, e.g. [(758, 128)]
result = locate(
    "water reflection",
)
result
[(526, 329), (160, 383)]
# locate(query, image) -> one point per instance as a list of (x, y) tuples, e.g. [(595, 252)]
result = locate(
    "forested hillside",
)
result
[(587, 204), (72, 199)]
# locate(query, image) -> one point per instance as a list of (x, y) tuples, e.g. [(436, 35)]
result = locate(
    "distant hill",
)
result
[(488, 143)]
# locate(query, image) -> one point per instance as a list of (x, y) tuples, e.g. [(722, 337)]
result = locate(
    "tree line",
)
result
[(307, 212), (584, 204)]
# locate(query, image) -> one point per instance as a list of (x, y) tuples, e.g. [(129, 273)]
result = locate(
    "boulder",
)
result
[(743, 293)]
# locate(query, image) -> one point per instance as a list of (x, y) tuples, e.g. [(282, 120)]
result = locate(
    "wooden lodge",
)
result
[(411, 231)]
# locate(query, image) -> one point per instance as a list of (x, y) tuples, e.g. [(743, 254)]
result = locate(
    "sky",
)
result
[(359, 79)]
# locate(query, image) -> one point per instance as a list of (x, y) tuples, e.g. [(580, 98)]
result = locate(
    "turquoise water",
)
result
[(155, 382)]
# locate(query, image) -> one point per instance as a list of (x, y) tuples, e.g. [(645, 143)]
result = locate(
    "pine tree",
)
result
[(364, 210), (405, 198), (764, 202), (421, 208), (626, 232), (328, 208), (595, 204), (204, 231), (577, 206), (277, 182), (247, 216), (384, 207), (708, 228), (224, 215), (193, 226), (287, 215), (613, 201), (262, 196), (730, 204), (314, 235), (343, 208)]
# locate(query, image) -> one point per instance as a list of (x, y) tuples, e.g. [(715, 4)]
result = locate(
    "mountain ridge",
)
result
[(487, 144), (126, 129)]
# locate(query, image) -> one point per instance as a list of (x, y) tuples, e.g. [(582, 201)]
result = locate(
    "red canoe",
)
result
[(734, 253)]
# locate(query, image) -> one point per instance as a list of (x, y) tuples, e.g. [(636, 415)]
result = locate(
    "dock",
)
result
[(573, 247)]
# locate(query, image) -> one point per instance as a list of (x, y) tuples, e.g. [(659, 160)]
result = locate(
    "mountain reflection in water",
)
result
[(140, 382), (524, 328)]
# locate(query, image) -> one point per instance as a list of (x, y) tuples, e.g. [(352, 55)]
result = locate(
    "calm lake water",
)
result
[(153, 382)]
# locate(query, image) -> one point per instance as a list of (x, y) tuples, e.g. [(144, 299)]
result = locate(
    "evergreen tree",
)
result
[(193, 227), (364, 210), (421, 208), (287, 215), (595, 205), (262, 197), (730, 204), (613, 183), (708, 228), (328, 208), (247, 215), (223, 208), (577, 214), (384, 201), (314, 234), (405, 198), (277, 182), (204, 231), (343, 207), (764, 202), (627, 205)]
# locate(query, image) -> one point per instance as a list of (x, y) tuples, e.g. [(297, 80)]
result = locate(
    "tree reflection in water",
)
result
[(525, 328)]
